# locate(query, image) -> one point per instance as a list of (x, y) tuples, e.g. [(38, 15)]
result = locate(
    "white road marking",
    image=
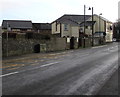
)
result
[(83, 55), (40, 66), (49, 64), (8, 74), (29, 69), (99, 46), (52, 54)]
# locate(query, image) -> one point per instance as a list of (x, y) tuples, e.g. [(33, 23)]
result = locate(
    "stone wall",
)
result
[(26, 46), (88, 41), (20, 46), (56, 44), (75, 43)]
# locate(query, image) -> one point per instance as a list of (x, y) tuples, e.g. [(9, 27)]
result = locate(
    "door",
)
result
[(37, 48), (72, 43)]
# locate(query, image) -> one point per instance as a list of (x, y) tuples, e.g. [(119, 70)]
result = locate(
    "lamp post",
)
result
[(100, 27), (7, 39), (92, 27), (84, 25), (8, 29)]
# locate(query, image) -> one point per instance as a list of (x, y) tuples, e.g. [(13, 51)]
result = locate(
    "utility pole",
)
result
[(8, 29), (7, 39), (92, 28), (92, 25), (84, 25)]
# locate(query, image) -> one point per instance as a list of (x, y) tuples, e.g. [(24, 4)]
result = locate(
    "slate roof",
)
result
[(72, 19), (67, 21), (88, 23), (41, 26), (17, 24)]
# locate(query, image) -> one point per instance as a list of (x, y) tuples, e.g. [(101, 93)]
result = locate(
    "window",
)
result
[(86, 27), (66, 27)]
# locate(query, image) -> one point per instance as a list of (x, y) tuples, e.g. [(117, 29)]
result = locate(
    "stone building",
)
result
[(17, 26), (42, 28)]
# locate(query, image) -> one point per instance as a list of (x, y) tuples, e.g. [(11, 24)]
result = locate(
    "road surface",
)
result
[(73, 72)]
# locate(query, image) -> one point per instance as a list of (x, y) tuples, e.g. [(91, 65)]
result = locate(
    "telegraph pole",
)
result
[(7, 39), (84, 25), (92, 28), (8, 29)]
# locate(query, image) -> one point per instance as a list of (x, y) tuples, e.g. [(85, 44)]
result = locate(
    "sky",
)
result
[(46, 11)]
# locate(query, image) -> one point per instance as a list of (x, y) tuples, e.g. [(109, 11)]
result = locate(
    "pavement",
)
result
[(72, 72)]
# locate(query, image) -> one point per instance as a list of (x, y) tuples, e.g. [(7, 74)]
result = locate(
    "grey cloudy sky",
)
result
[(48, 10)]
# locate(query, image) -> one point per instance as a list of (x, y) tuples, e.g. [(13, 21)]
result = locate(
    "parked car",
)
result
[(114, 40)]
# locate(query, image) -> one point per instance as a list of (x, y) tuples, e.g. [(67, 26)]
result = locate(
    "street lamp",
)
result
[(92, 26), (85, 24)]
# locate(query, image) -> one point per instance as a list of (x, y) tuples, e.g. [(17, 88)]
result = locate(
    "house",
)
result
[(68, 25), (16, 26), (104, 26), (73, 25), (42, 28)]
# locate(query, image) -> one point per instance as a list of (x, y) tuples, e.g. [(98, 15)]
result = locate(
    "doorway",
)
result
[(72, 43), (37, 48)]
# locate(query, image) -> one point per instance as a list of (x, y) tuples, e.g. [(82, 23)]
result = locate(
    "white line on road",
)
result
[(84, 55), (29, 69), (41, 66), (49, 64), (99, 46), (8, 74)]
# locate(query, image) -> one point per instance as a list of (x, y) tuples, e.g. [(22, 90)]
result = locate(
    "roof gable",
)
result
[(88, 23), (72, 19), (77, 18), (104, 19)]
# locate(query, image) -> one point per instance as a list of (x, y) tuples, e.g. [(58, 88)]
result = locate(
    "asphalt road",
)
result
[(111, 86), (74, 72)]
